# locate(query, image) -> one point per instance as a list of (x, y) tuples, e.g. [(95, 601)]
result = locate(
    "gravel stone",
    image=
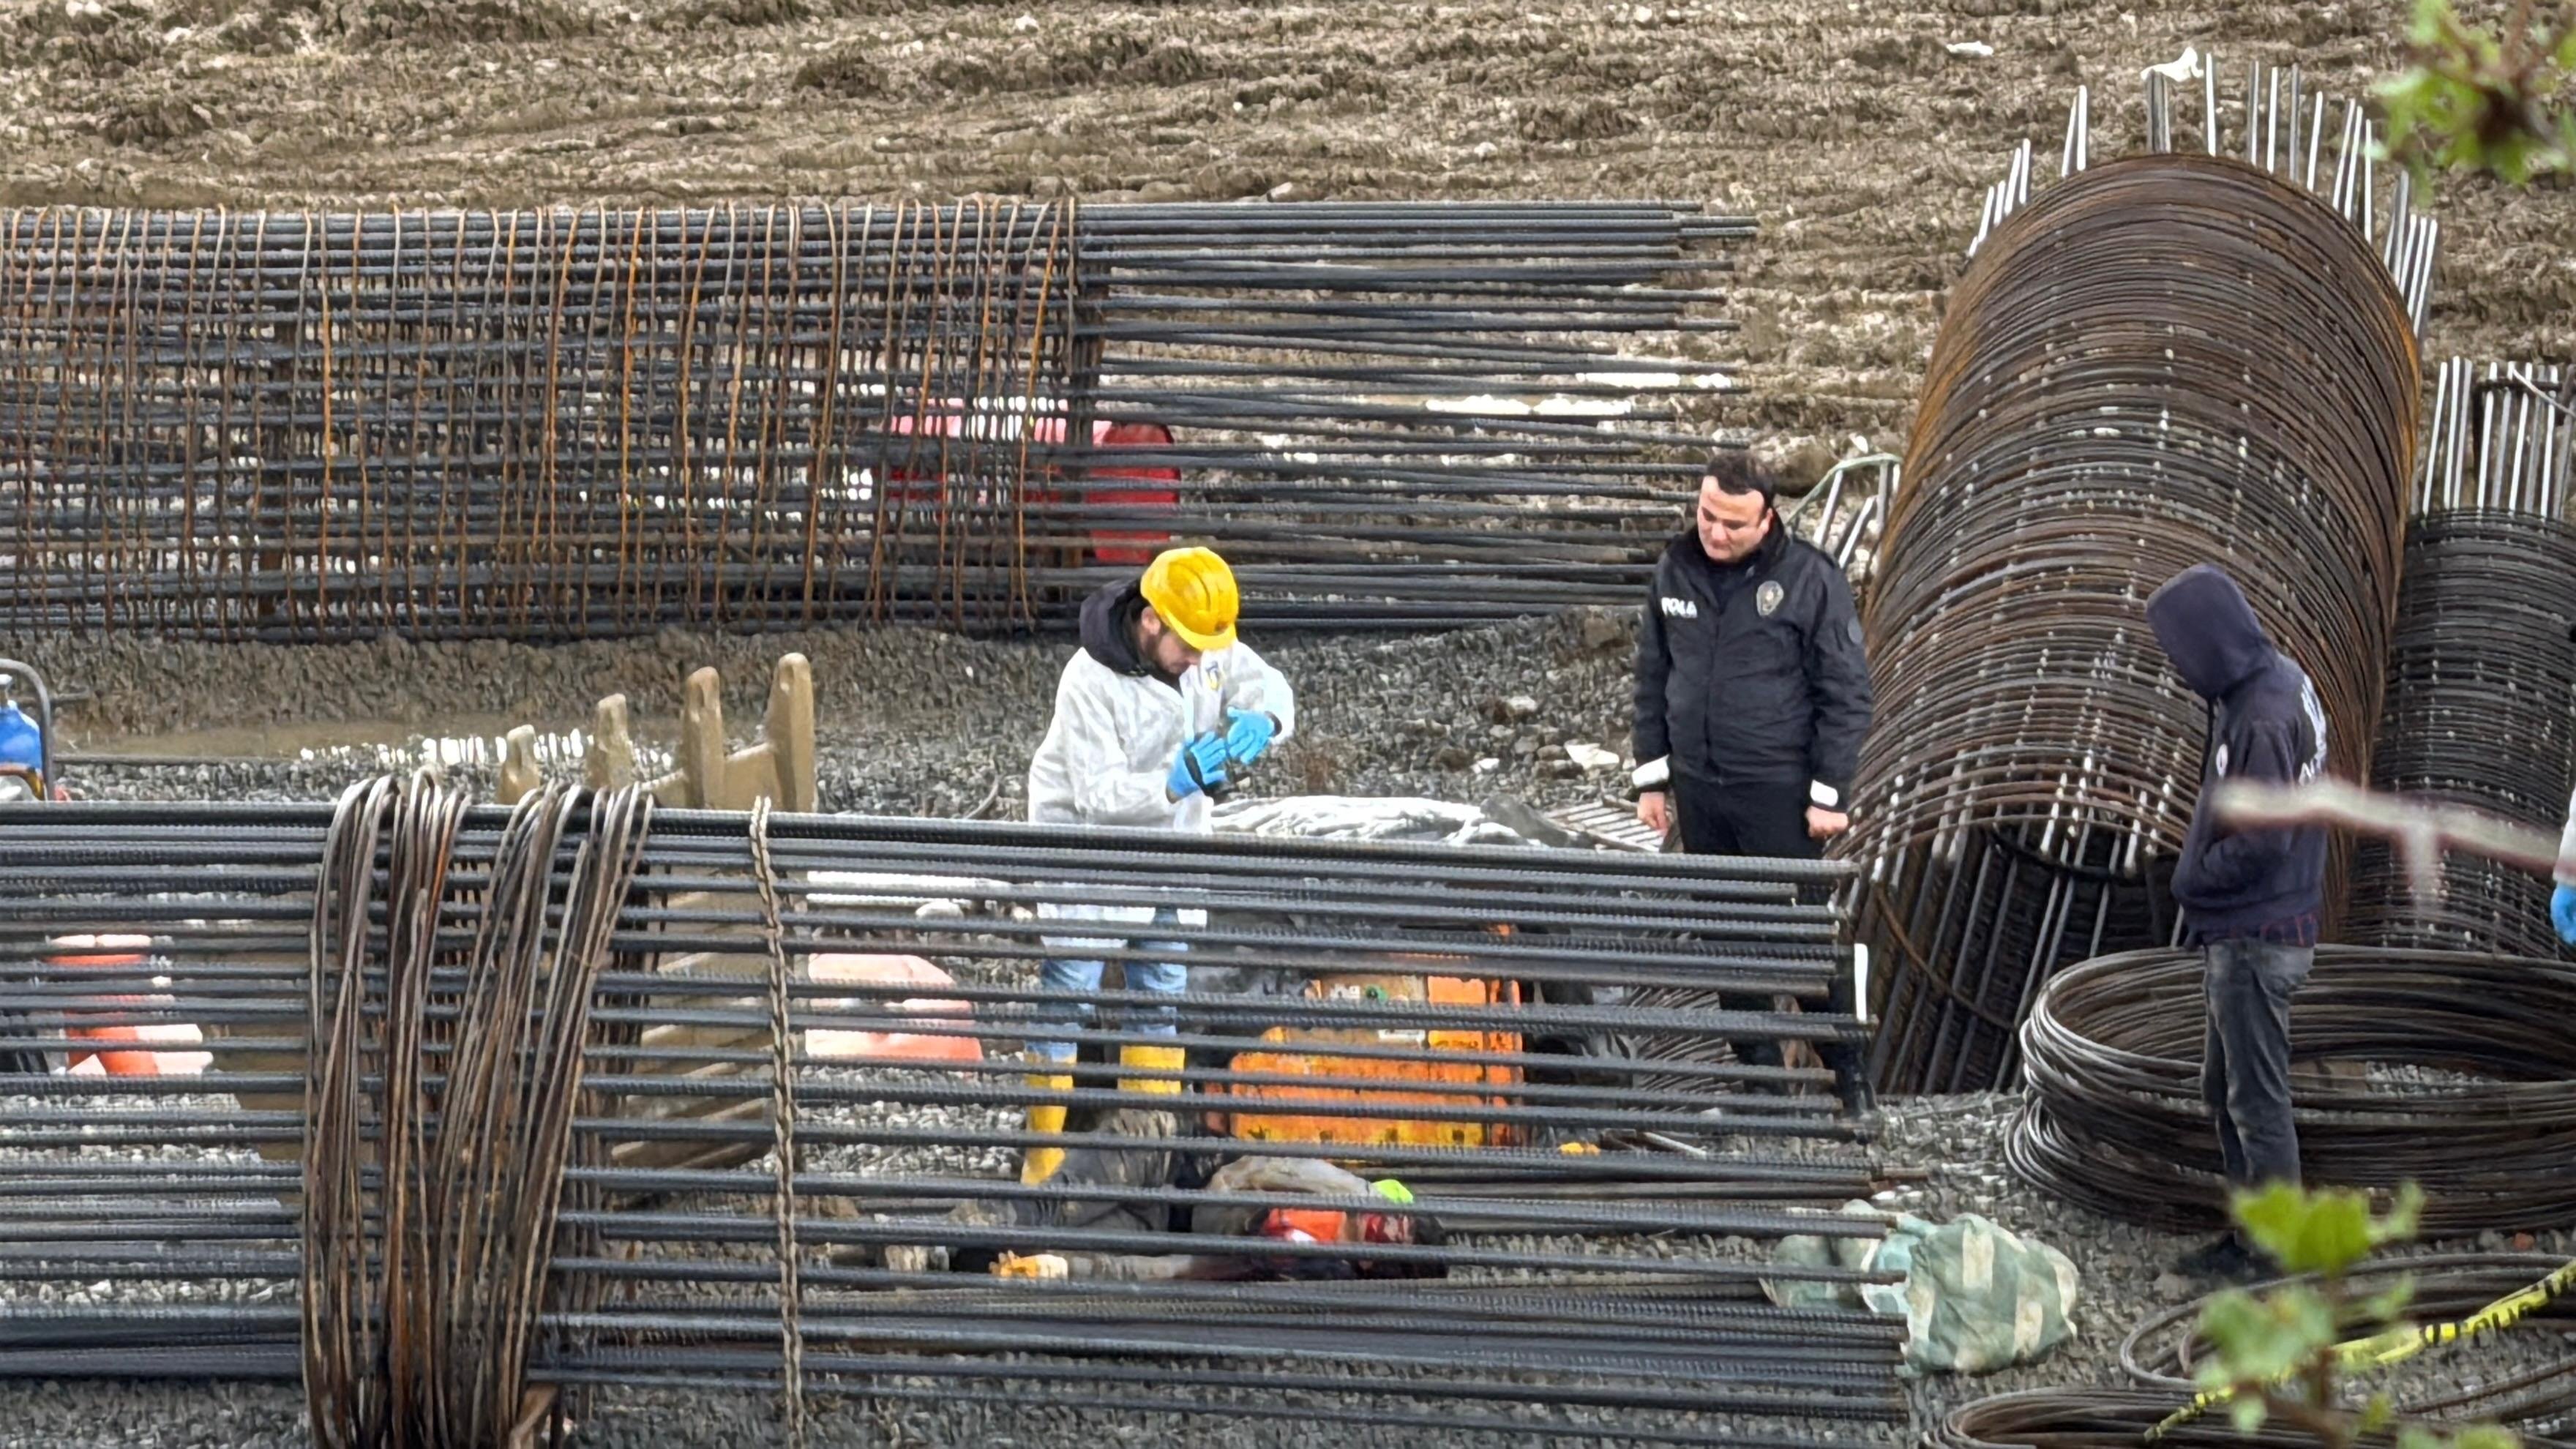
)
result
[(915, 722)]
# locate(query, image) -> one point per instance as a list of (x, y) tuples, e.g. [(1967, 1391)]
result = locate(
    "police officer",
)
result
[(1752, 696)]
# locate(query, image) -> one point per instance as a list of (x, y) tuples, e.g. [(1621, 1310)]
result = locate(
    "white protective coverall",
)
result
[(1107, 756), (2567, 843)]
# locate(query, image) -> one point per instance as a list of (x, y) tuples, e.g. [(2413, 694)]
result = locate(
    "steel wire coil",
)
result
[(2481, 712), (742, 1205), (2105, 1418), (2163, 1350), (2466, 1085), (566, 424), (2162, 360)]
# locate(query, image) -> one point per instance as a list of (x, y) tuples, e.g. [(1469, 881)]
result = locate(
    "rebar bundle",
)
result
[(563, 424), (507, 1107), (2172, 358), (2481, 705), (2443, 1068)]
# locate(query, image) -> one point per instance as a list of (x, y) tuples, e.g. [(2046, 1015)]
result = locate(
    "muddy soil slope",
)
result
[(1854, 131)]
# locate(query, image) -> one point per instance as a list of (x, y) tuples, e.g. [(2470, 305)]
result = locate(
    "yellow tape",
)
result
[(2395, 1345)]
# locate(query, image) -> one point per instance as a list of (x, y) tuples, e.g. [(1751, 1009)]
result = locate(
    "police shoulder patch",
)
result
[(1853, 628), (1767, 597)]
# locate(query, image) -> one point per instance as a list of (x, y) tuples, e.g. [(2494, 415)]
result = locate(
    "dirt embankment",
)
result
[(1853, 131)]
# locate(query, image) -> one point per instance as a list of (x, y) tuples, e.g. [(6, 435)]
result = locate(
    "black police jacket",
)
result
[(1751, 672)]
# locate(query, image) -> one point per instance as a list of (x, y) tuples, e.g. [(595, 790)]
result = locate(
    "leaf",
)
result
[(2473, 101), (2385, 1306), (2247, 1412), (2486, 1436), (2425, 30), (2258, 1340), (2326, 1231), (2398, 1225), (2378, 1414)]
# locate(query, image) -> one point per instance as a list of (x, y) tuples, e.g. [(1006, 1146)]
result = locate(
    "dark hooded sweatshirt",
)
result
[(1109, 631), (2264, 724)]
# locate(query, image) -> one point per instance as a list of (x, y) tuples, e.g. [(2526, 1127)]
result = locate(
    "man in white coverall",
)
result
[(1154, 712)]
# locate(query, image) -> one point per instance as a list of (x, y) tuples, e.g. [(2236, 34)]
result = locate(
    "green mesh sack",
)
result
[(1975, 1297)]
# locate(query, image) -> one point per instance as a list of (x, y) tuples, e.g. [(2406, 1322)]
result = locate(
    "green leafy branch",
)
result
[(2280, 1356), (2472, 101)]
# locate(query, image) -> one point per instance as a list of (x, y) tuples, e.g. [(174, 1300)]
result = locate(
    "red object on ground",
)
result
[(903, 1046), (110, 951), (1110, 544)]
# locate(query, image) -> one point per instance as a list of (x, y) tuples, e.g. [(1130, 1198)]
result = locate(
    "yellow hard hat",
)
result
[(1194, 592)]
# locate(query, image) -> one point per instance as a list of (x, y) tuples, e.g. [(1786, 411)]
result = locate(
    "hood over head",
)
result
[(2208, 630), (1109, 628)]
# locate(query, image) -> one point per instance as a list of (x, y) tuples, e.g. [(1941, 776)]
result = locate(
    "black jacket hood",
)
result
[(1109, 629), (2209, 631)]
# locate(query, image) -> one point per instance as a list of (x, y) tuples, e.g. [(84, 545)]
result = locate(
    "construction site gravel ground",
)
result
[(1860, 136), (2124, 1279)]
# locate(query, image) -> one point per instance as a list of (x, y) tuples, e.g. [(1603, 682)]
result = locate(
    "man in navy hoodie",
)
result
[(2249, 897)]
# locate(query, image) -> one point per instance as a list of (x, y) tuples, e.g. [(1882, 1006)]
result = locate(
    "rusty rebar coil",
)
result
[(2481, 683), (2161, 361), (2467, 1086)]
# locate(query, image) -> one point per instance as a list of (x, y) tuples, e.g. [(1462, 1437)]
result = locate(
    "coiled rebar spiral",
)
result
[(2468, 1086), (2161, 361)]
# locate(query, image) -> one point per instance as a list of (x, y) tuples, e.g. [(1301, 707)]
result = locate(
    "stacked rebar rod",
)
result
[(2443, 1068), (2173, 358), (643, 1032), (563, 424), (2481, 705)]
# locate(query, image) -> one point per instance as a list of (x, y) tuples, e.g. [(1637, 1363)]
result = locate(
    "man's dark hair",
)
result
[(1737, 472)]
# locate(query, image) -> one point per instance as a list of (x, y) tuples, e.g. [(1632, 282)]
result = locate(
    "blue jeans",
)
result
[(1170, 978)]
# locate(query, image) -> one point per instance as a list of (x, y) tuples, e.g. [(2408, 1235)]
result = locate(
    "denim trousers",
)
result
[(1170, 978), (2245, 1056)]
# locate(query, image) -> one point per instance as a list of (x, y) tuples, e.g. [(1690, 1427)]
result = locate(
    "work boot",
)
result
[(1851, 1079), (1152, 1059), (2226, 1258), (1037, 1164)]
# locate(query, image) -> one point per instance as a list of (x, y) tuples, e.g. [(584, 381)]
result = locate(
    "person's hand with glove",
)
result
[(1199, 768), (2562, 913), (1248, 733)]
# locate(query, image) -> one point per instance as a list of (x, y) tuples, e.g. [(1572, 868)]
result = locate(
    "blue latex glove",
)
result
[(1199, 768), (2562, 913), (1248, 733)]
